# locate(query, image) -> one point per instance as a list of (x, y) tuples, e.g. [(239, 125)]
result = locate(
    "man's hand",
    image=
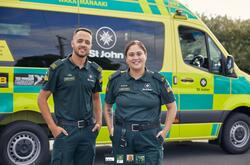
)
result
[(56, 131)]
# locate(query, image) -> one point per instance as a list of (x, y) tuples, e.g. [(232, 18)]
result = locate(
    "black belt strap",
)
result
[(137, 126), (79, 123)]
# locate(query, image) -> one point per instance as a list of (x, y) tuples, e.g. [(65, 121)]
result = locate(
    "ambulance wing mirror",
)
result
[(230, 66)]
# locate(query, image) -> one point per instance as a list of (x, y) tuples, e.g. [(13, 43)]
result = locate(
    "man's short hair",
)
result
[(82, 29)]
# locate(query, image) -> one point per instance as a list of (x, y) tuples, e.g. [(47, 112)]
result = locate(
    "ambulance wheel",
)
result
[(22, 143), (236, 134)]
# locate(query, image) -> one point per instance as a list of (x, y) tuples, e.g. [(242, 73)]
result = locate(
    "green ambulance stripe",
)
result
[(215, 129), (155, 9), (102, 95), (221, 85), (6, 102), (168, 76), (151, 1), (240, 85), (55, 2), (118, 5), (196, 101), (133, 6), (28, 89)]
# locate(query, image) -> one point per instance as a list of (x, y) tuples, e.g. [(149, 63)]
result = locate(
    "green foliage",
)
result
[(234, 36)]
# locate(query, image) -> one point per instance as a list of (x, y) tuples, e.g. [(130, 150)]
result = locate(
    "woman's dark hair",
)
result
[(135, 42)]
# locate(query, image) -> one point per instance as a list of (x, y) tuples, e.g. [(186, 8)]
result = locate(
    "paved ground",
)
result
[(189, 153)]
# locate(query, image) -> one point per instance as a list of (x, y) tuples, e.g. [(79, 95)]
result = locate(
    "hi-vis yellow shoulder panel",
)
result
[(5, 54)]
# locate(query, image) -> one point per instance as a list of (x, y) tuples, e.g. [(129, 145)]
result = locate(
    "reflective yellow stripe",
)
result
[(5, 54), (145, 7), (161, 6)]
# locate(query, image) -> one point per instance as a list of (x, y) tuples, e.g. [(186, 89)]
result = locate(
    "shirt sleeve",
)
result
[(166, 93), (50, 81), (98, 84), (109, 96)]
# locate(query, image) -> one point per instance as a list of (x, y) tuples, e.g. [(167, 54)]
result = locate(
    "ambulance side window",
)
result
[(110, 35), (193, 47), (36, 38), (216, 57), (200, 51)]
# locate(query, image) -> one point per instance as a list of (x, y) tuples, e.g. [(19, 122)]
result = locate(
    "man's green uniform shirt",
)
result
[(141, 99), (72, 88)]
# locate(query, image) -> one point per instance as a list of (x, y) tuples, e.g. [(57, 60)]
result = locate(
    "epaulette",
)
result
[(159, 77), (96, 66), (114, 75), (57, 63)]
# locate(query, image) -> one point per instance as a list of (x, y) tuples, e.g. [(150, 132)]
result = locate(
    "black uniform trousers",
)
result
[(140, 142), (77, 148)]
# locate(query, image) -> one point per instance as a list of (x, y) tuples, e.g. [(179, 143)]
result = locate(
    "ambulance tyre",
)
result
[(236, 134), (23, 142)]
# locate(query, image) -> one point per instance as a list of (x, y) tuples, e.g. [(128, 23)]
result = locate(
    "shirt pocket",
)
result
[(68, 82)]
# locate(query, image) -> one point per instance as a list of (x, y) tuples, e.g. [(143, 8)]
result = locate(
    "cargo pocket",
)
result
[(56, 158)]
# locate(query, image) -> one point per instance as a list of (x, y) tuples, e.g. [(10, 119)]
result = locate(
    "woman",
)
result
[(138, 94)]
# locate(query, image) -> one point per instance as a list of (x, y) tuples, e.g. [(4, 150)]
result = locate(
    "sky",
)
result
[(235, 9)]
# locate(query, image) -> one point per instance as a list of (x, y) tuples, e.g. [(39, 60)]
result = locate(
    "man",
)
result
[(75, 84)]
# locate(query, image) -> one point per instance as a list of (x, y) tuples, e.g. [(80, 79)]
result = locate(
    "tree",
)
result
[(234, 36)]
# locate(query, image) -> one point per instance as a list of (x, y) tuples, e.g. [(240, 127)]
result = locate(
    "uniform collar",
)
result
[(74, 66), (145, 77)]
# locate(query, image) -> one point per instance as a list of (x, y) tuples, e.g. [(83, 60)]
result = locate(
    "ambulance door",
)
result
[(193, 80), (169, 70)]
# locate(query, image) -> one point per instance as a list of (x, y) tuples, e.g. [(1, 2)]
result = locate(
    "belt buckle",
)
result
[(133, 127), (80, 123)]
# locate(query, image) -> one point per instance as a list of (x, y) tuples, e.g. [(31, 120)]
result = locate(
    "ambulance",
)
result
[(212, 93)]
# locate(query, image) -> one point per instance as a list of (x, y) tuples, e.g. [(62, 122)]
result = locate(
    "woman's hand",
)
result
[(162, 133), (97, 127)]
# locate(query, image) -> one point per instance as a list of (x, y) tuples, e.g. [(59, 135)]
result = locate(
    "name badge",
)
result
[(69, 78), (124, 87)]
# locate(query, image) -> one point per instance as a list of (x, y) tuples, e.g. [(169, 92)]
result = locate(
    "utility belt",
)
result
[(138, 126), (78, 123)]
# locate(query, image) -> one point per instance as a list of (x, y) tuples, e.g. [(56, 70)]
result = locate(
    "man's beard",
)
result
[(81, 56)]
